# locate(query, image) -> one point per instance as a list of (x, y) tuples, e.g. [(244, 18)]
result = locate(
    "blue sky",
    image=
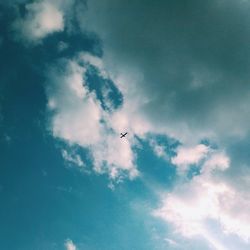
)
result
[(174, 75)]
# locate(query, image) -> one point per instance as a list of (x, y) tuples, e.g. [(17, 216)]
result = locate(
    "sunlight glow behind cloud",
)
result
[(207, 197)]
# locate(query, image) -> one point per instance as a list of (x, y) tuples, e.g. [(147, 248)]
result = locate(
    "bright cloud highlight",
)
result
[(205, 199)]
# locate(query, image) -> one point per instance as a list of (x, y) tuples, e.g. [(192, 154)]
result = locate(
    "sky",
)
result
[(76, 74)]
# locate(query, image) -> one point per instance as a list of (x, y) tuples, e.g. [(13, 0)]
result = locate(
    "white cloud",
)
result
[(218, 160), (153, 85), (77, 112), (116, 155), (189, 155), (69, 245), (41, 19), (209, 158), (208, 199), (78, 118)]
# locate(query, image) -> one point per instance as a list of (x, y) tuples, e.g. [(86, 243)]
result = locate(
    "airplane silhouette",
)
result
[(123, 135)]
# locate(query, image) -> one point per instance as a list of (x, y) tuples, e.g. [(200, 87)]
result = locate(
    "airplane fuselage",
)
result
[(123, 135)]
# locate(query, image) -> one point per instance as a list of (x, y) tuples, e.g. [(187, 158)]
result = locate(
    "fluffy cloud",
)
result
[(78, 118), (208, 199), (41, 19), (194, 207), (77, 112), (69, 245)]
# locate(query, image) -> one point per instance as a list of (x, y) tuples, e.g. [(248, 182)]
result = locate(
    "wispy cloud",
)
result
[(72, 158)]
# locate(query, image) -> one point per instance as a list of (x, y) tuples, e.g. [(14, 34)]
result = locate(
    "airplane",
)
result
[(123, 135)]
